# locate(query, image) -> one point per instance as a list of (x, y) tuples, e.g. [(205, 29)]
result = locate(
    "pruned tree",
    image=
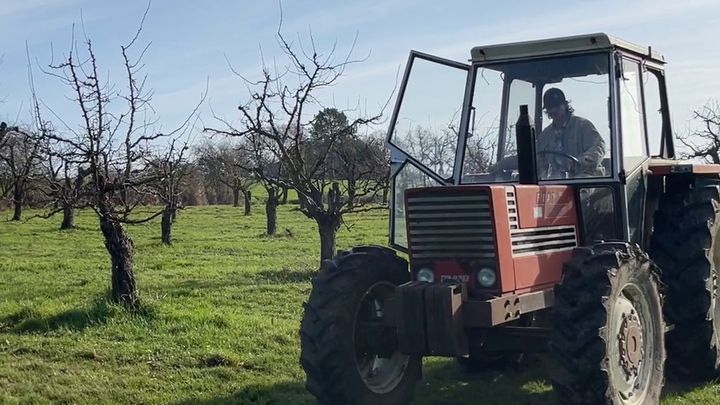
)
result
[(261, 161), (170, 170), (381, 172), (356, 161), (60, 181), (277, 117), (482, 146), (19, 155), (704, 143), (225, 163), (110, 146)]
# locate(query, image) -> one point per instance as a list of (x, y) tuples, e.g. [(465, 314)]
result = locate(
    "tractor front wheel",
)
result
[(608, 341), (349, 354)]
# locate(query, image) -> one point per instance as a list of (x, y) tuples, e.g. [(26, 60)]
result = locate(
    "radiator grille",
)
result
[(536, 240), (450, 225), (545, 239)]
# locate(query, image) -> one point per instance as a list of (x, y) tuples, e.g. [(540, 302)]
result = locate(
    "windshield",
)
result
[(568, 100)]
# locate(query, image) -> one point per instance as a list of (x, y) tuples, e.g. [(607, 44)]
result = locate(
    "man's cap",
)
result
[(553, 97)]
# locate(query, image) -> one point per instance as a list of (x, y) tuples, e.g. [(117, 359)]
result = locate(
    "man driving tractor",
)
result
[(569, 147), (568, 134)]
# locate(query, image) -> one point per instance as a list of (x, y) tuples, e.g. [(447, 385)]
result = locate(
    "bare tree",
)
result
[(226, 164), (110, 149), (482, 147), (276, 118), (704, 143), (262, 163), (356, 162), (59, 181), (170, 170), (19, 154)]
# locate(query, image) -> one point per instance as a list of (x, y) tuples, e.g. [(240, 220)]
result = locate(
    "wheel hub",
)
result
[(380, 373), (630, 339)]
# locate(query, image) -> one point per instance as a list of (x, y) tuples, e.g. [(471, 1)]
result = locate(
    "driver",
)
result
[(568, 134)]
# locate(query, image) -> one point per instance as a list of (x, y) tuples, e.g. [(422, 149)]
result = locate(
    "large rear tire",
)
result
[(608, 331), (343, 317), (684, 246)]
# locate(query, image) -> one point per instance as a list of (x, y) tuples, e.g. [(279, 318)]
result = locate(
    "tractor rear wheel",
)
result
[(349, 355), (684, 245), (608, 331)]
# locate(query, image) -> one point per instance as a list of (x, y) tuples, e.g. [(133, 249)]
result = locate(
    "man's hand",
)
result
[(587, 160)]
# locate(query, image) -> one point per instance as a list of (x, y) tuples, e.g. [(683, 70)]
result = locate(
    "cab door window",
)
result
[(653, 111), (632, 127), (427, 120)]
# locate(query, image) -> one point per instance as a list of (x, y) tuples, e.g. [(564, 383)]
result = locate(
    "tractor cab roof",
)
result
[(559, 46)]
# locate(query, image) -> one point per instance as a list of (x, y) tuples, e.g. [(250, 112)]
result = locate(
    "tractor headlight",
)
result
[(486, 277), (425, 275)]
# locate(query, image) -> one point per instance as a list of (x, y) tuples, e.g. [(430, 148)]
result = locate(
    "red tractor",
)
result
[(584, 238)]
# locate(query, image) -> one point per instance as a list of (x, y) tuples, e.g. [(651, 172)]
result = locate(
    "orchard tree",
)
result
[(170, 170), (355, 161), (60, 179), (278, 117), (225, 163), (110, 146), (61, 182), (19, 155), (704, 143)]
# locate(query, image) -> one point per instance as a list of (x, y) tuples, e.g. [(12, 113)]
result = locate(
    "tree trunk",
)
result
[(271, 211), (236, 196), (166, 223), (68, 221), (352, 187), (327, 227), (284, 195), (302, 200), (120, 247), (17, 201), (247, 197), (385, 193), (329, 223)]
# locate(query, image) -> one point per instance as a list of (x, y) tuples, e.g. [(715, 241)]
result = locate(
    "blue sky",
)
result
[(191, 39)]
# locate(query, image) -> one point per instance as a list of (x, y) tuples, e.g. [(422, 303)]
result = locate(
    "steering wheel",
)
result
[(574, 162)]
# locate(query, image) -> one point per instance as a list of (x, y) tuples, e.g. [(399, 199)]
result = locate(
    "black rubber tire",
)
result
[(327, 330), (585, 310), (684, 247)]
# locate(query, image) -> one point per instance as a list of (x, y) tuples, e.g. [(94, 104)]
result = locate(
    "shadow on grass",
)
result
[(679, 386), (443, 383), (29, 320), (285, 276)]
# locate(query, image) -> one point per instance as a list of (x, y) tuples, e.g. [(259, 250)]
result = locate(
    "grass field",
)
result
[(219, 323)]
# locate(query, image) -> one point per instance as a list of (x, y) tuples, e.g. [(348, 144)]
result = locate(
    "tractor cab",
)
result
[(578, 178)]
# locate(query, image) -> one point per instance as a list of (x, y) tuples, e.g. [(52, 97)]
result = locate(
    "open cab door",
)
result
[(423, 132)]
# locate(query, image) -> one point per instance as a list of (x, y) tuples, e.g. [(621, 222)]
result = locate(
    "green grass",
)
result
[(219, 321)]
